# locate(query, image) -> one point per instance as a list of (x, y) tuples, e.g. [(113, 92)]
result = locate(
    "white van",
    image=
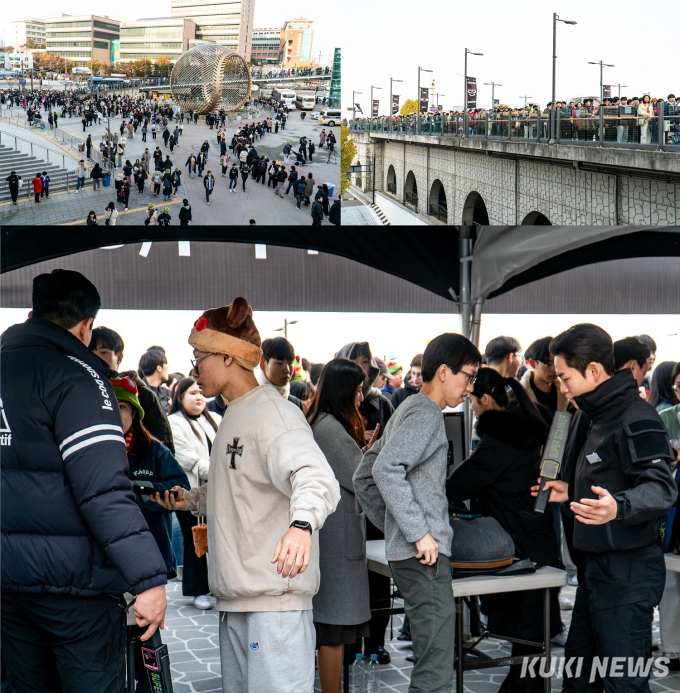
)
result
[(331, 116)]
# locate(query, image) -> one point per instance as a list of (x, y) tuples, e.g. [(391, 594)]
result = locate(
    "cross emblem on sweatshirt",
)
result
[(234, 449)]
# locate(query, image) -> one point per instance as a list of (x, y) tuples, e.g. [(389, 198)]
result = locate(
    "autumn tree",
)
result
[(95, 66), (348, 151), (108, 68), (410, 106), (164, 65)]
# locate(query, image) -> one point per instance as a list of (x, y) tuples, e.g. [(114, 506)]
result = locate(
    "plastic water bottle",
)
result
[(373, 675), (359, 674)]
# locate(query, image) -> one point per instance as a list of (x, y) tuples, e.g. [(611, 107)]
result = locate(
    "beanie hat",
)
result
[(393, 367), (229, 330), (298, 371), (126, 391)]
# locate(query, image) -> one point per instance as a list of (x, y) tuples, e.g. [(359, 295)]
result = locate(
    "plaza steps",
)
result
[(381, 215), (27, 166)]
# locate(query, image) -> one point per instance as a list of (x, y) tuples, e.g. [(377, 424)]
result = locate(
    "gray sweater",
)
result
[(401, 480)]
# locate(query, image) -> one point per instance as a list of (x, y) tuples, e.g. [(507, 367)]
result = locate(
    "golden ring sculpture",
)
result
[(210, 76)]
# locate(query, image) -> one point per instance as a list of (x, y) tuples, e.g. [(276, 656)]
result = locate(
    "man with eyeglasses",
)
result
[(400, 484), (540, 379)]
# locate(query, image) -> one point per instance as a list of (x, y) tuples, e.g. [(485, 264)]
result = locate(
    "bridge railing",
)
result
[(608, 127)]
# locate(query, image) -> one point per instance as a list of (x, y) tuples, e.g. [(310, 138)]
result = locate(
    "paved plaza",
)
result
[(192, 639), (257, 202)]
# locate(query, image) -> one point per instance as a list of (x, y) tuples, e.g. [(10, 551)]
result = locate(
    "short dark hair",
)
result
[(628, 349), (151, 360), (302, 390), (498, 348), (108, 338), (646, 339), (65, 297), (277, 348), (315, 372), (539, 350), (583, 344), (453, 350), (305, 364), (417, 361)]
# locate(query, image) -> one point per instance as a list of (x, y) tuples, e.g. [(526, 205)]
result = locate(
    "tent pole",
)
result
[(476, 321), (465, 285)]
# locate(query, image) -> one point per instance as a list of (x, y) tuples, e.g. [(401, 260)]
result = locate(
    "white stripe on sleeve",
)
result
[(91, 429), (91, 441)]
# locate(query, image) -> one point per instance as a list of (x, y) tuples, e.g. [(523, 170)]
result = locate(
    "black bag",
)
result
[(480, 543)]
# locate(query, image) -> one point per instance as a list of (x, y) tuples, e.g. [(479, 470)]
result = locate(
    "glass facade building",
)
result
[(336, 85)]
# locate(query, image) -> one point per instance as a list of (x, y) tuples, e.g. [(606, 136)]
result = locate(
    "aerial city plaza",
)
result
[(194, 118)]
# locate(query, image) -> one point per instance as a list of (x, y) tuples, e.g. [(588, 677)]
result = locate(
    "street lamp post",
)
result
[(602, 65), (354, 109), (438, 95), (420, 69), (493, 86), (526, 98), (372, 88), (284, 329), (392, 80), (553, 112), (619, 86), (467, 50)]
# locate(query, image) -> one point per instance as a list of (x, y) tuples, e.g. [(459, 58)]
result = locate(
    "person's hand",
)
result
[(296, 544), (373, 437), (149, 608), (595, 512), (558, 494), (428, 550), (168, 501)]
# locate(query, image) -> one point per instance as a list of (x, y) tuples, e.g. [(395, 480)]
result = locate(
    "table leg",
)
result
[(546, 638), (459, 644)]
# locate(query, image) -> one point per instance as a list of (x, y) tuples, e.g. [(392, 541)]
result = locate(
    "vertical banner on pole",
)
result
[(374, 110), (606, 91), (395, 104), (424, 98), (472, 92), (496, 103)]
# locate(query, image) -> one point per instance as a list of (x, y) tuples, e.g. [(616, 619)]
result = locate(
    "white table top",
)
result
[(672, 562), (480, 584)]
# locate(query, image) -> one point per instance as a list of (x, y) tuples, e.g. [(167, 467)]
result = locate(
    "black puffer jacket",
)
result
[(500, 473), (70, 524), (398, 396)]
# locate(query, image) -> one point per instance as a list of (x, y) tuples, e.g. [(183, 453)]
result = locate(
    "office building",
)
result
[(336, 83), (227, 22), (83, 37), (21, 31), (296, 43), (266, 47), (151, 38)]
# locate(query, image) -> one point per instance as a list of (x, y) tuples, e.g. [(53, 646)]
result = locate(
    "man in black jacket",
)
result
[(73, 538), (412, 384), (622, 488)]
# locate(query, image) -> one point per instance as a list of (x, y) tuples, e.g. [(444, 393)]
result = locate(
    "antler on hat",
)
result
[(229, 330)]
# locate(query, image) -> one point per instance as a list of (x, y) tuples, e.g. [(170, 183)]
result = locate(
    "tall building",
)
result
[(83, 37), (266, 47), (21, 31), (227, 22), (151, 38), (336, 83), (296, 43)]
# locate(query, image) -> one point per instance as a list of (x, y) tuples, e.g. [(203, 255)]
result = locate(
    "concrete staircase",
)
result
[(27, 166)]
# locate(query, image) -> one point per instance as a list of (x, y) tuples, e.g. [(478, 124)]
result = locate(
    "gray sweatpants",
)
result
[(269, 651)]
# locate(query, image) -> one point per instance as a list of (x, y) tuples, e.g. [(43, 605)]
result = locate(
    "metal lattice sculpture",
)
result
[(210, 76)]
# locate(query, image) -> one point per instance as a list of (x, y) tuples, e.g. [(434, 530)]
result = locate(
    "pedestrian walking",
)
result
[(45, 180), (309, 188), (281, 177), (80, 175), (176, 180), (96, 175), (185, 213), (88, 146), (191, 163), (166, 136), (286, 152), (167, 186), (292, 179), (151, 216), (154, 129), (14, 181), (201, 161), (322, 138), (317, 211), (92, 219), (300, 186), (209, 185), (157, 179), (110, 214), (37, 186), (225, 163), (164, 218), (233, 177), (312, 148), (245, 171), (334, 214), (205, 148)]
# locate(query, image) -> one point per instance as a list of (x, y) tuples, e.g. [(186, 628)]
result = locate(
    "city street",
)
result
[(257, 203)]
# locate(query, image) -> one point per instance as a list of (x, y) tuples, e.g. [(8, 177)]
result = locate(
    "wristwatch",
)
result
[(302, 525)]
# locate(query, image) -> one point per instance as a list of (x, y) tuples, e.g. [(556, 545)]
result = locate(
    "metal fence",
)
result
[(55, 153), (604, 129)]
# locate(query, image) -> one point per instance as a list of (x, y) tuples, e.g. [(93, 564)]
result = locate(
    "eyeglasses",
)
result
[(676, 387), (195, 362), (471, 376)]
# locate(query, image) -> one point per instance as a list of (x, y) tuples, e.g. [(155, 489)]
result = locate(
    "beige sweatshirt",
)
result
[(266, 471)]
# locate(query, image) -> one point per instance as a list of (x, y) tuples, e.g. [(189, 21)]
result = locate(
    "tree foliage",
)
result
[(348, 152), (95, 66), (410, 106)]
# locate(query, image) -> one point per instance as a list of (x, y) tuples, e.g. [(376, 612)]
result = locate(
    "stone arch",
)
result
[(391, 180), (474, 210), (437, 205), (411, 190), (358, 180), (536, 219)]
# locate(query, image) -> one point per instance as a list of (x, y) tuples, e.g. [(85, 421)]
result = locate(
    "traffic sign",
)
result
[(23, 81)]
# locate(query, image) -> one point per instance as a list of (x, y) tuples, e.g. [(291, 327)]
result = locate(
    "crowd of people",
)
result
[(625, 120), (163, 122), (285, 468)]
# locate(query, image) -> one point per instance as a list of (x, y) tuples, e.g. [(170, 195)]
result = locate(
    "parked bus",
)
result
[(286, 97), (305, 102)]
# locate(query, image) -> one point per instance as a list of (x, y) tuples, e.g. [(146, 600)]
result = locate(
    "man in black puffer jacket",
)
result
[(73, 538)]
